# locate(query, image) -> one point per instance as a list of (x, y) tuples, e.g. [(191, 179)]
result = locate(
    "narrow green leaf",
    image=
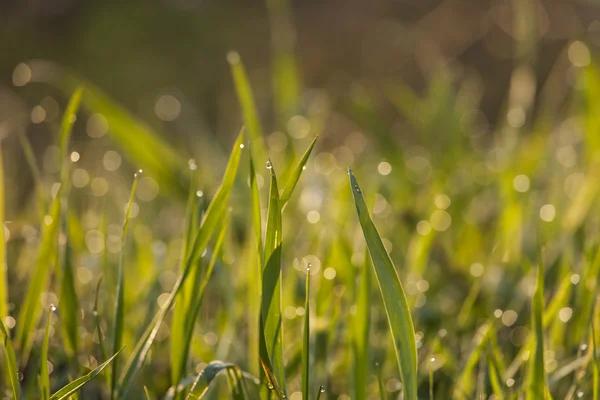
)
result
[(306, 344), (255, 273), (465, 383), (97, 322), (3, 266), (295, 176), (246, 100), (44, 375), (30, 310), (11, 370), (394, 298), (35, 172), (360, 332), (69, 301), (213, 217), (536, 379), (73, 387), (119, 315), (271, 286), (206, 376), (595, 364)]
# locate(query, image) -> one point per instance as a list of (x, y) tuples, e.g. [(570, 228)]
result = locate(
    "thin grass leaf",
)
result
[(71, 388), (321, 391), (394, 298), (464, 383), (205, 377), (213, 216), (255, 272), (536, 379), (495, 379), (69, 303), (248, 105), (11, 370), (30, 310), (271, 286), (35, 172), (295, 176), (44, 375), (119, 315), (360, 333), (3, 266), (306, 340), (595, 364)]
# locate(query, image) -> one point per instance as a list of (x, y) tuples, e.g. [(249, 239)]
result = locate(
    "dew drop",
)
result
[(357, 188), (580, 394), (199, 193), (241, 145), (583, 347), (308, 267), (322, 389), (303, 167), (52, 307), (95, 313), (269, 165), (192, 164), (20, 376), (270, 385), (432, 359)]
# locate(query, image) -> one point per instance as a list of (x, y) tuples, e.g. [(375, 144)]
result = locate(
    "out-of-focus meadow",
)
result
[(139, 221)]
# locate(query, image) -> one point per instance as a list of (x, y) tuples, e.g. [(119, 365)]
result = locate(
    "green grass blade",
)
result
[(360, 333), (35, 172), (3, 266), (536, 380), (119, 315), (248, 105), (44, 375), (295, 176), (465, 383), (73, 387), (256, 217), (96, 315), (394, 298), (11, 370), (30, 310), (595, 364), (306, 341), (69, 302), (271, 286), (213, 217), (205, 377)]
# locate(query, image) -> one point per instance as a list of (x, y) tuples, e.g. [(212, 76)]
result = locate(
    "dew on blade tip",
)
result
[(308, 267), (192, 164), (199, 193), (269, 165), (52, 307), (322, 389)]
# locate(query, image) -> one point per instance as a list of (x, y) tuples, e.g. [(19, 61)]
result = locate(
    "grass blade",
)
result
[(3, 266), (595, 365), (44, 375), (465, 383), (536, 380), (248, 105), (97, 322), (293, 179), (30, 310), (255, 274), (271, 286), (73, 387), (11, 371), (213, 217), (119, 316), (394, 298), (360, 337), (306, 346), (68, 301)]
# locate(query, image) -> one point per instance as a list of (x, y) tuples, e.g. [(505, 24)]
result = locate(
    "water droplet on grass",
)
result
[(52, 307), (20, 376), (322, 389), (269, 165)]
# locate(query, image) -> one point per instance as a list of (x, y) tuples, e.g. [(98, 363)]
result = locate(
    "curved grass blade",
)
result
[(360, 336), (213, 217), (119, 316), (394, 298), (295, 176), (73, 387), (247, 103), (29, 313), (10, 371), (271, 286), (306, 346), (536, 380), (44, 375), (206, 376)]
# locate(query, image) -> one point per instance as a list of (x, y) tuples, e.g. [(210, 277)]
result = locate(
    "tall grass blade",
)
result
[(360, 333), (306, 341), (595, 364), (35, 172), (11, 371), (71, 388), (248, 105), (30, 310), (206, 376), (536, 380), (295, 176), (119, 315), (69, 301), (394, 298), (271, 285), (3, 266), (465, 383), (255, 274), (213, 217), (44, 375)]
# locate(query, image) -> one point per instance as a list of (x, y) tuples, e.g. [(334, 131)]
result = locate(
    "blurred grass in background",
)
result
[(471, 125)]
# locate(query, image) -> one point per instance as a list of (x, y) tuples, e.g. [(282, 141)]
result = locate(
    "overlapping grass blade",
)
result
[(96, 315), (44, 375), (271, 286), (536, 379), (360, 333), (3, 266), (207, 375), (11, 371), (29, 313), (213, 217), (35, 172), (119, 315), (70, 389), (295, 176), (595, 364), (69, 301), (394, 298), (306, 341), (248, 105), (465, 382)]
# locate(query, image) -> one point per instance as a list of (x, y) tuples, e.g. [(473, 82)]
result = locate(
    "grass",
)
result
[(426, 281)]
